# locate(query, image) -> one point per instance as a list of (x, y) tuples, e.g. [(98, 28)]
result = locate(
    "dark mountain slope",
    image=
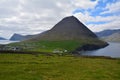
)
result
[(70, 28)]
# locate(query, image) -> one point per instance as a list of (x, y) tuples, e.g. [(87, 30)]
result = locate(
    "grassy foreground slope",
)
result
[(42, 67)]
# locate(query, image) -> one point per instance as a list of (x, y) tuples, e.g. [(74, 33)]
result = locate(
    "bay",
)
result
[(113, 50)]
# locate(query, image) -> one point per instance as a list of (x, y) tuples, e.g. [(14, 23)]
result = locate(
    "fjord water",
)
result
[(7, 41), (113, 50)]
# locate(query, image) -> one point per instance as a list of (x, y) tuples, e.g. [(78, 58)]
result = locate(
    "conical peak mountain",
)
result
[(67, 22), (69, 28), (68, 34), (72, 25)]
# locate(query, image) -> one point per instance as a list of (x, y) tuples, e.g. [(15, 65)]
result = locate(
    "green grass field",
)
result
[(46, 67), (48, 46)]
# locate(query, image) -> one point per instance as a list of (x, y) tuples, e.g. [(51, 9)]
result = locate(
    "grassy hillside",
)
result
[(42, 67), (50, 46)]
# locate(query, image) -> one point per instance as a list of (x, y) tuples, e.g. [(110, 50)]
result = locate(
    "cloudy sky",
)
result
[(35, 16)]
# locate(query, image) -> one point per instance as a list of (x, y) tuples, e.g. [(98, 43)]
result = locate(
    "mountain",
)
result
[(18, 37), (68, 35), (110, 35), (106, 33), (113, 38), (1, 38), (70, 28)]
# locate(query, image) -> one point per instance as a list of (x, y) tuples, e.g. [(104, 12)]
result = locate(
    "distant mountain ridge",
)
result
[(1, 38), (114, 37), (106, 33), (110, 35), (18, 37)]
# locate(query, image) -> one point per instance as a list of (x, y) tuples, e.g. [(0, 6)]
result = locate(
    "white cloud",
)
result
[(85, 17), (84, 4), (24, 16), (112, 22), (112, 8), (100, 27), (35, 16)]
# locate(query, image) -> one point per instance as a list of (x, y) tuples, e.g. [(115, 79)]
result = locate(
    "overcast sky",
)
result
[(35, 16)]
